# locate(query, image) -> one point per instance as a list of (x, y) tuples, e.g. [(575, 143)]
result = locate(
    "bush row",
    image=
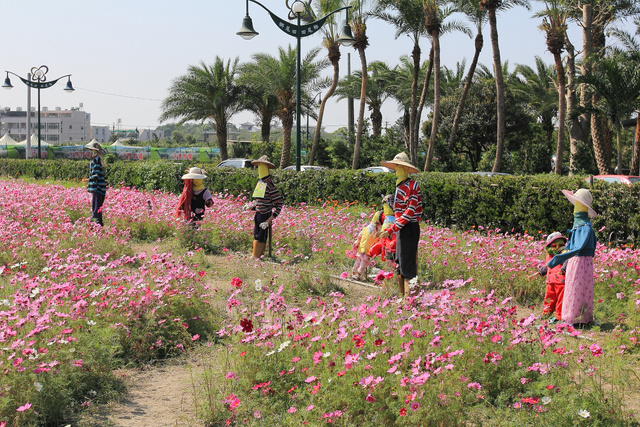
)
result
[(515, 204)]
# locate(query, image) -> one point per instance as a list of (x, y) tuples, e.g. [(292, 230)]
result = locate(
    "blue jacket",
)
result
[(582, 241)]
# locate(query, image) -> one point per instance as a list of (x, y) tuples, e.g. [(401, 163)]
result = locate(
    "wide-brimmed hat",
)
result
[(582, 196), (553, 237), (401, 159), (95, 146), (194, 173), (265, 161)]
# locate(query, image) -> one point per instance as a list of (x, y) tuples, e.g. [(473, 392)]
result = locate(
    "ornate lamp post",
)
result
[(299, 30), (37, 79)]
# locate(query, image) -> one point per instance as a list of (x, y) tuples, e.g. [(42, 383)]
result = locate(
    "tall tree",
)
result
[(492, 6), (408, 20), (381, 83), (205, 92), (435, 13), (277, 75), (259, 101), (554, 24), (616, 80), (330, 42), (478, 16), (359, 24), (536, 86)]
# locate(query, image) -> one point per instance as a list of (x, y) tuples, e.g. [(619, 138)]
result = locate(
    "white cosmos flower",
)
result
[(546, 400), (38, 386), (258, 285), (584, 413)]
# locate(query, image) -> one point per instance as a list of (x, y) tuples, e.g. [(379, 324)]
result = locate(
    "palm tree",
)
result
[(616, 80), (381, 83), (408, 20), (259, 101), (277, 75), (478, 16), (330, 42), (435, 14), (205, 92), (359, 26), (554, 24), (492, 7), (536, 87)]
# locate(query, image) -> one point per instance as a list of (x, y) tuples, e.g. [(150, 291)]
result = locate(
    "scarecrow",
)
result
[(386, 247), (195, 198), (407, 208), (362, 246), (97, 185), (267, 202), (555, 277), (577, 304)]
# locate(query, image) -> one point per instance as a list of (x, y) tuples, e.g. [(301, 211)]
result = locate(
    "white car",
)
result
[(304, 168), (378, 169)]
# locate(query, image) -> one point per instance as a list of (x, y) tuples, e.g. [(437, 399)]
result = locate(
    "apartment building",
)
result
[(58, 126)]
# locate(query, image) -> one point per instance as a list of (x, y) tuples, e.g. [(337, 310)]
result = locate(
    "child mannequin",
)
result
[(555, 278), (386, 247), (362, 245)]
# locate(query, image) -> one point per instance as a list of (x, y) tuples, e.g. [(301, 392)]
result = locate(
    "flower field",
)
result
[(289, 345)]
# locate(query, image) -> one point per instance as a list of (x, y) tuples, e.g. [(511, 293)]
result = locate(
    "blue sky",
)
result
[(123, 54)]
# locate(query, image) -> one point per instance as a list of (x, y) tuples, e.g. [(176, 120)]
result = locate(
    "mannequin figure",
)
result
[(267, 202), (407, 208), (97, 185)]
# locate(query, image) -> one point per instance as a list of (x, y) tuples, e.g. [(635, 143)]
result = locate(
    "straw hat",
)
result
[(400, 159), (264, 160), (582, 196), (194, 173), (95, 146), (553, 237)]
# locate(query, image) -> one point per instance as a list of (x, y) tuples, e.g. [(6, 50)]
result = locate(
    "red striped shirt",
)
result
[(407, 206)]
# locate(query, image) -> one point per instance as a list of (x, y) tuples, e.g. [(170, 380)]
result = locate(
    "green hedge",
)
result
[(513, 204)]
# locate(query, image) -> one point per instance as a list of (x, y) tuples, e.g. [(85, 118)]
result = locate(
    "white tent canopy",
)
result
[(7, 140), (34, 142)]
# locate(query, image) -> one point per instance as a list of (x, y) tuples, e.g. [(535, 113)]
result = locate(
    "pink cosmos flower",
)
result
[(291, 410), (310, 408), (24, 407), (370, 398), (415, 406)]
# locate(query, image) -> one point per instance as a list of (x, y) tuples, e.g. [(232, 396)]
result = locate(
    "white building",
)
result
[(102, 134), (58, 127)]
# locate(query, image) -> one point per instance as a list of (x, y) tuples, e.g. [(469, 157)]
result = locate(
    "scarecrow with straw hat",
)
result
[(195, 198), (577, 305), (407, 208), (267, 202), (97, 185)]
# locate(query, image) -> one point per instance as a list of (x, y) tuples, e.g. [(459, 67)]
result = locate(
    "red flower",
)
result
[(202, 273), (236, 281), (403, 412), (247, 325)]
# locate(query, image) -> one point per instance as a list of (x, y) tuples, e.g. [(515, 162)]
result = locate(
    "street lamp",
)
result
[(298, 31), (313, 100), (37, 79)]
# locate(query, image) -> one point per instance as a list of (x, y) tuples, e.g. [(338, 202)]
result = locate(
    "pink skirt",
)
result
[(577, 305)]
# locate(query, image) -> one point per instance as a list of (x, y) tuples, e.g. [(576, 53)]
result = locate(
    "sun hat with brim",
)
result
[(401, 159), (194, 173), (265, 161), (582, 196), (95, 146), (553, 237)]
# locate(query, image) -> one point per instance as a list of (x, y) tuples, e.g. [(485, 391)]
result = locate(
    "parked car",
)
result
[(378, 169), (236, 163), (304, 168), (617, 179), (489, 173)]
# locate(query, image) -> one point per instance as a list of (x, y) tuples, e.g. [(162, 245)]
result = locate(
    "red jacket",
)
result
[(555, 275)]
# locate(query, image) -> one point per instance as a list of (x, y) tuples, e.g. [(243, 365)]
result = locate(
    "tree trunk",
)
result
[(413, 138), (576, 124), (635, 160), (465, 90), (436, 99), (363, 101), (221, 133), (287, 126), (497, 65), (562, 109), (423, 97), (376, 122), (334, 57), (619, 144), (597, 133), (265, 130)]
